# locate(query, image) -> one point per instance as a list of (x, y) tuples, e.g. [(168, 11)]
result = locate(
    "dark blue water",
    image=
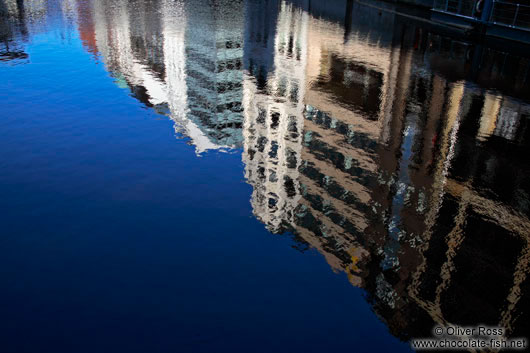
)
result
[(118, 238), (123, 232)]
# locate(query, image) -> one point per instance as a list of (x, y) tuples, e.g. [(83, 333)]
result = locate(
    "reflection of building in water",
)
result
[(274, 135), (489, 68), (85, 23), (273, 113), (364, 140), (183, 63), (451, 136), (422, 138), (321, 191), (260, 34), (214, 69), (405, 179), (342, 107), (465, 230)]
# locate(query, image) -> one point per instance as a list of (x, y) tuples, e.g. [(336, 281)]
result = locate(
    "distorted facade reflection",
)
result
[(182, 63), (396, 152), (273, 106)]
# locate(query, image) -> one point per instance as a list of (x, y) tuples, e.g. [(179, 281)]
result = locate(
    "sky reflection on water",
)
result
[(391, 149)]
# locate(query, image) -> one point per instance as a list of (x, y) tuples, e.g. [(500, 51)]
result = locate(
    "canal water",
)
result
[(256, 176)]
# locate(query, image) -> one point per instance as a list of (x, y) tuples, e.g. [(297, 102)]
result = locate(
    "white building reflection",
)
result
[(274, 115), (182, 62)]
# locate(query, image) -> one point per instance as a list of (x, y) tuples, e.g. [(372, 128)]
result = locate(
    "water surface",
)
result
[(255, 176)]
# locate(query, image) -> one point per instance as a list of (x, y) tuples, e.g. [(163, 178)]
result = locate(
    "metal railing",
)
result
[(458, 7), (505, 13), (511, 15)]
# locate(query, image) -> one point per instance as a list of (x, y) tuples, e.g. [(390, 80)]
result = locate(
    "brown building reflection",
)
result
[(403, 174)]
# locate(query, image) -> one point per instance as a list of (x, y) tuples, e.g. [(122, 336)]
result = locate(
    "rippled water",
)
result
[(151, 149)]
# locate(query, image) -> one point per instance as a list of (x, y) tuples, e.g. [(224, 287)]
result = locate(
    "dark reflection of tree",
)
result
[(12, 31), (22, 18)]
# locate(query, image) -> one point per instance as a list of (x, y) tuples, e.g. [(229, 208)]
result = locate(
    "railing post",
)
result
[(486, 12), (515, 16)]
